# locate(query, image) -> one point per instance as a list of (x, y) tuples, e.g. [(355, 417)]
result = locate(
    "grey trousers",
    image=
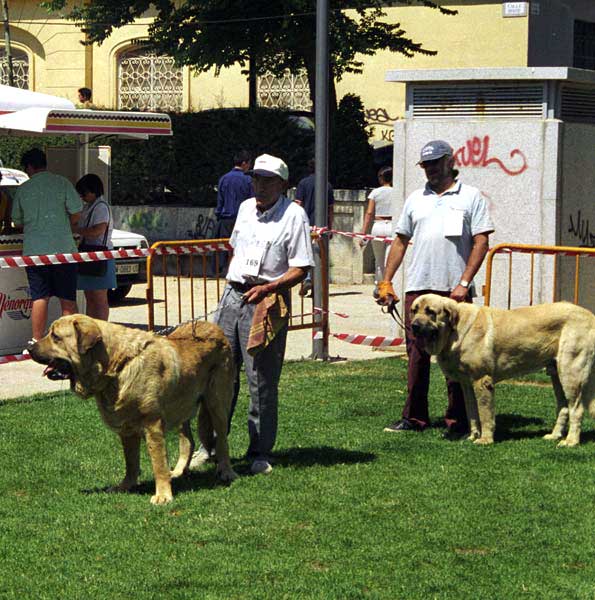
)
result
[(262, 371)]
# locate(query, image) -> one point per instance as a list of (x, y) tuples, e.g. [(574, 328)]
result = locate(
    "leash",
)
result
[(392, 310)]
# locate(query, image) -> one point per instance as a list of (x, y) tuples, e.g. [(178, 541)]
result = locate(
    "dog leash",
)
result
[(392, 310)]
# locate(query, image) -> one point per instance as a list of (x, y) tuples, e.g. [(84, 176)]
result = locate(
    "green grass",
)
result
[(349, 511)]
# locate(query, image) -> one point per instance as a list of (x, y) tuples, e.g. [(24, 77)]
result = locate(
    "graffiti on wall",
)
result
[(204, 228), (580, 228), (379, 117), (476, 153)]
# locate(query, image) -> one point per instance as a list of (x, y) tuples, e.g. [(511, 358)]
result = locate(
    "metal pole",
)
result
[(320, 346), (7, 43)]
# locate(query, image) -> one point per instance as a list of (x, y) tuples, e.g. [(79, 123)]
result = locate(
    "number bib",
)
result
[(253, 260)]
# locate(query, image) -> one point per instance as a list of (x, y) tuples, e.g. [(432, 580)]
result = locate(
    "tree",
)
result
[(259, 34)]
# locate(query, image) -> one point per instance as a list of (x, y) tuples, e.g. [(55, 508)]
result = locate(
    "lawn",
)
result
[(349, 511)]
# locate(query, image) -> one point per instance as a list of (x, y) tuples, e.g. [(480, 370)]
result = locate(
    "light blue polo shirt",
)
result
[(439, 257), (42, 205)]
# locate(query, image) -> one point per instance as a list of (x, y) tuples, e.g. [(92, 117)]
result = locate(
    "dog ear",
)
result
[(452, 314), (87, 334)]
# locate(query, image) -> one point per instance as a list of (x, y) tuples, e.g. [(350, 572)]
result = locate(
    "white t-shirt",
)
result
[(100, 214), (266, 245), (442, 228), (384, 204)]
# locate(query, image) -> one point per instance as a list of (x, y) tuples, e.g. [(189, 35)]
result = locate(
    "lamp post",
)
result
[(320, 346)]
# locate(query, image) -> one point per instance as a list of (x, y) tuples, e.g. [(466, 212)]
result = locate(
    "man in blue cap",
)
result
[(450, 226)]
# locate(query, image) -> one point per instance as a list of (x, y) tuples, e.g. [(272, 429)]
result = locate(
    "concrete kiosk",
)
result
[(526, 138)]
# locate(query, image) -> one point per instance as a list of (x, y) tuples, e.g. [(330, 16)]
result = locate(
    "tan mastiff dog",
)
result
[(145, 384), (479, 346)]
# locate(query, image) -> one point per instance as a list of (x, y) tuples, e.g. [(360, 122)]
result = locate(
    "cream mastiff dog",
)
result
[(479, 346), (145, 384)]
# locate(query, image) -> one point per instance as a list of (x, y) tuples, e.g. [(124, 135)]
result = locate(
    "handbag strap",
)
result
[(109, 212)]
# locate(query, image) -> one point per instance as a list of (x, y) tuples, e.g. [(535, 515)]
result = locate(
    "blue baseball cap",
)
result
[(435, 150)]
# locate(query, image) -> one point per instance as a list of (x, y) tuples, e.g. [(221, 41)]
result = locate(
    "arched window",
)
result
[(20, 68), (289, 91), (148, 82)]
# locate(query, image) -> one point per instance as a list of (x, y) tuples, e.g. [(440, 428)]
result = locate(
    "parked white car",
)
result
[(128, 270)]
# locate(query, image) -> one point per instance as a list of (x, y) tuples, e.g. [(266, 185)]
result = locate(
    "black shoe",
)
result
[(402, 425)]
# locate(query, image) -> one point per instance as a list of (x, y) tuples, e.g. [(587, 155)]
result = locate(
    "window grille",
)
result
[(481, 100), (20, 68), (289, 91), (147, 81)]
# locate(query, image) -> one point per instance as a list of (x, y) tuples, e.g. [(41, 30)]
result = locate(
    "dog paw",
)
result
[(566, 443), (483, 441), (158, 499), (474, 435), (178, 472), (552, 436)]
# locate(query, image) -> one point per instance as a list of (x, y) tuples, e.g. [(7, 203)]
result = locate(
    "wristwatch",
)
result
[(464, 283)]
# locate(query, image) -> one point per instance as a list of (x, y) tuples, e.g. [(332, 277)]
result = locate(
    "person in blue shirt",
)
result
[(233, 188), (304, 196)]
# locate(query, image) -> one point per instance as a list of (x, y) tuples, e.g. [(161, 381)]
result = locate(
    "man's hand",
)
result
[(459, 293), (256, 294), (386, 294)]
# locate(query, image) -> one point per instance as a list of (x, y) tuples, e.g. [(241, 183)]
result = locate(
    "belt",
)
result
[(242, 288), (383, 218)]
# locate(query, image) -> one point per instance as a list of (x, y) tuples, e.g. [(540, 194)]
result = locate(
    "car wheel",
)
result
[(119, 293)]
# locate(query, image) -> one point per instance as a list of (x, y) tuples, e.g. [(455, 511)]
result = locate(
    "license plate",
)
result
[(127, 269)]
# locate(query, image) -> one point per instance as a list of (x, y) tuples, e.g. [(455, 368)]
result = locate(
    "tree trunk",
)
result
[(252, 91), (310, 63)]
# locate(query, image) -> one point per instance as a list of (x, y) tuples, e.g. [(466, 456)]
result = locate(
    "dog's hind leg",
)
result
[(155, 438), (578, 386), (561, 426), (186, 443), (217, 402)]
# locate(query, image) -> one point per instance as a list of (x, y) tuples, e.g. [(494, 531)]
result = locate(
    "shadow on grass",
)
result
[(320, 455), (193, 481)]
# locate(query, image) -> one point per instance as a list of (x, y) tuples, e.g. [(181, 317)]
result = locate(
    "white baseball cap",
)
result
[(269, 166)]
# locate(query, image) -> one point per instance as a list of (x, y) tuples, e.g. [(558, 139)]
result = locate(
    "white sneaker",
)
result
[(261, 467), (199, 458)]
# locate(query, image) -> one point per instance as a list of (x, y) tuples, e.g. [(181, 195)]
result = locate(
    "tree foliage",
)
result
[(270, 36)]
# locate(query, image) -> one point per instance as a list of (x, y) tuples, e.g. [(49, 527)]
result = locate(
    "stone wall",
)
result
[(348, 263)]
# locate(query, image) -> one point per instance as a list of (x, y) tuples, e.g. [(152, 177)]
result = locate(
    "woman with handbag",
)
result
[(95, 229)]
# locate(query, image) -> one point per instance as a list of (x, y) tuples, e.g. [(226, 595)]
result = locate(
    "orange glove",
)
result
[(386, 294)]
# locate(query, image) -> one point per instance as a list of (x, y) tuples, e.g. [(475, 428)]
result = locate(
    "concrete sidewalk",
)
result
[(365, 318)]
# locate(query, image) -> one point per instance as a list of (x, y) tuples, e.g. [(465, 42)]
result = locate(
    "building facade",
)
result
[(48, 57)]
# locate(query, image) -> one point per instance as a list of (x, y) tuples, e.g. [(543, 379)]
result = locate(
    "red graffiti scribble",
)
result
[(475, 153)]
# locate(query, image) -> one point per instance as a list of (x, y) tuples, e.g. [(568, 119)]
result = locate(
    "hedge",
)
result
[(184, 168)]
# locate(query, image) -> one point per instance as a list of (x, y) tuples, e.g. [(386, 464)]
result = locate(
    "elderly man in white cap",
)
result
[(450, 226), (272, 252)]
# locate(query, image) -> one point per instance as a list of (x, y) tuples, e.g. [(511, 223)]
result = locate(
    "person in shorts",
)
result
[(47, 207)]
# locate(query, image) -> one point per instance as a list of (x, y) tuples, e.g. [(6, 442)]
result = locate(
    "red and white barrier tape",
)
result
[(363, 340), (358, 236), (11, 358), (330, 312), (12, 262)]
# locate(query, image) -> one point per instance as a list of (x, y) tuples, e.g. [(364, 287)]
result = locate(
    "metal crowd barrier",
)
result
[(557, 252), (184, 286)]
